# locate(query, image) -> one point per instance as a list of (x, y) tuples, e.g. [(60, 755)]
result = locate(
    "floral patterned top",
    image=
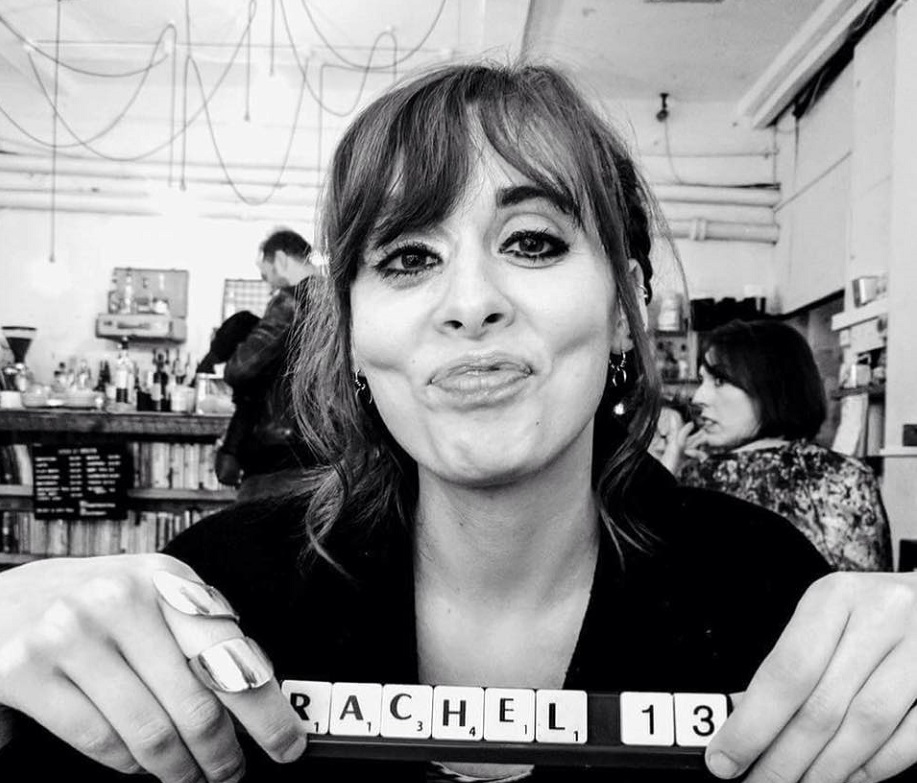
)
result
[(832, 498)]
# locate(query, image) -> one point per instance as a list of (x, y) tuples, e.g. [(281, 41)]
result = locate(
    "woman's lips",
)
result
[(479, 382)]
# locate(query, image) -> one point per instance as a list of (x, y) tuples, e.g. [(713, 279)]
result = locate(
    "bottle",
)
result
[(127, 301), (115, 300), (104, 377), (143, 302), (123, 373), (161, 304), (159, 390)]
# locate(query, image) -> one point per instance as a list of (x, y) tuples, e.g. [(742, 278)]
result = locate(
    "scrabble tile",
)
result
[(407, 710), (356, 708), (647, 718), (458, 712), (698, 716), (561, 716), (509, 714), (311, 700)]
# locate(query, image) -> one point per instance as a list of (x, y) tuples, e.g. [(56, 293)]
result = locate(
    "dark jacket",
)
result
[(262, 434), (697, 612)]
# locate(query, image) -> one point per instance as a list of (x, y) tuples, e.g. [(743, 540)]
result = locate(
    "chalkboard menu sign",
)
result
[(80, 482)]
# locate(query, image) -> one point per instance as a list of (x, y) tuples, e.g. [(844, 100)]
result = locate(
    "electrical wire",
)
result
[(318, 96), (407, 56), (54, 133), (188, 120), (216, 147), (119, 116), (55, 58)]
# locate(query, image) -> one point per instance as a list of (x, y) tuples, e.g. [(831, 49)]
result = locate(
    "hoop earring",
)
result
[(361, 388), (617, 372)]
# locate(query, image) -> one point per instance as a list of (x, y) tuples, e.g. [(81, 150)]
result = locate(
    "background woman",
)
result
[(485, 518), (761, 402)]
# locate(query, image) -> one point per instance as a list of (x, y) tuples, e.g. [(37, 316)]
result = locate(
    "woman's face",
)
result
[(728, 414), (485, 339)]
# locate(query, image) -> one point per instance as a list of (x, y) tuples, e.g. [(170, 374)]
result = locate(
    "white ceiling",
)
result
[(709, 51)]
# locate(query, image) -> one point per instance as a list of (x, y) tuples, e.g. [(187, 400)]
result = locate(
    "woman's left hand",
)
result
[(835, 698)]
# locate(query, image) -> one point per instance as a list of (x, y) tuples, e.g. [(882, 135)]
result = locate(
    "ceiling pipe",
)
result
[(700, 230)]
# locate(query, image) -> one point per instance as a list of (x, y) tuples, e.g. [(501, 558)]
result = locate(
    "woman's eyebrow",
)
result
[(517, 194)]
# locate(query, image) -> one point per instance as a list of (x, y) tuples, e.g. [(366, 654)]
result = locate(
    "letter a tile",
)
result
[(356, 708)]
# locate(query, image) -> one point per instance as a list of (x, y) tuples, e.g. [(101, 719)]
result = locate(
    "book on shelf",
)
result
[(159, 465)]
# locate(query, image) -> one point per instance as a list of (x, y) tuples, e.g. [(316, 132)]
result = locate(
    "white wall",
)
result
[(63, 298)]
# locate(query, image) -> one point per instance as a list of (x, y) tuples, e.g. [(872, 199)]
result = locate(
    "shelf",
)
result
[(873, 390), (17, 558), (19, 491), (858, 315), (899, 451), (187, 426)]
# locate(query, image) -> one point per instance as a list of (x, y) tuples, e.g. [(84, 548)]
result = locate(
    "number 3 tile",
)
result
[(697, 717)]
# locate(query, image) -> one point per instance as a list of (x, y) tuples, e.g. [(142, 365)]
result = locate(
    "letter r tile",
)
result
[(509, 714), (356, 708), (311, 700), (458, 712), (407, 710), (561, 716)]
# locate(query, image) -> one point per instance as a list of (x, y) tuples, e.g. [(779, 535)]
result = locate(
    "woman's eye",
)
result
[(534, 245), (406, 261)]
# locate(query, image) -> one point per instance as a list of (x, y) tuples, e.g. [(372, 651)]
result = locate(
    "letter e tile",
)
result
[(458, 712), (311, 700), (561, 716), (509, 715), (698, 716), (407, 710), (356, 708), (647, 718)]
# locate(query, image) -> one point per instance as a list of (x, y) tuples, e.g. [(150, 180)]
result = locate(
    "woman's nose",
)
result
[(700, 396), (473, 299)]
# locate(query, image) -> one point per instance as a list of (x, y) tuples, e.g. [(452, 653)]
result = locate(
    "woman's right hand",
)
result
[(89, 651), (675, 439)]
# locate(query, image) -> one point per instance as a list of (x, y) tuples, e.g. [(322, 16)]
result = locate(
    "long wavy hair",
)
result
[(403, 164)]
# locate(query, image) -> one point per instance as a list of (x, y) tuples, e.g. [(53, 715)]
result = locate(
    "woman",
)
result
[(486, 519), (761, 402)]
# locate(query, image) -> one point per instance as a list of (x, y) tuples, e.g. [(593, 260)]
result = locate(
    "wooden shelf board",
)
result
[(858, 315), (142, 493), (187, 426)]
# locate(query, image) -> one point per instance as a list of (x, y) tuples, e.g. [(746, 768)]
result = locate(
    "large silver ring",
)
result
[(233, 666), (192, 598)]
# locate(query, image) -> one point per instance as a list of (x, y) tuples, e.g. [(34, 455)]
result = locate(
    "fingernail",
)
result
[(722, 766), (192, 598), (295, 750)]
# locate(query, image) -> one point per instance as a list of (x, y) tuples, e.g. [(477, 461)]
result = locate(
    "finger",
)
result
[(872, 717), (781, 684), (134, 712), (78, 722), (201, 720), (865, 644), (264, 713), (897, 754)]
